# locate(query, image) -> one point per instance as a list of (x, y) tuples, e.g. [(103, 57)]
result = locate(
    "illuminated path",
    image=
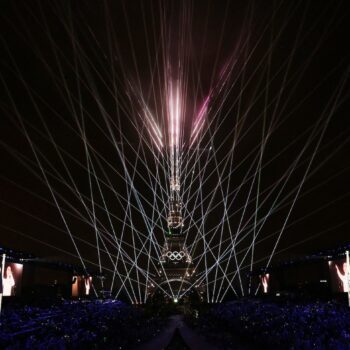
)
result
[(192, 339)]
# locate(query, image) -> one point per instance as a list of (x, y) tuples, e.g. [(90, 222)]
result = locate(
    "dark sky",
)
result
[(70, 66)]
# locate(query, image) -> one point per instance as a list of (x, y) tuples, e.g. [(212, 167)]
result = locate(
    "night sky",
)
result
[(73, 68)]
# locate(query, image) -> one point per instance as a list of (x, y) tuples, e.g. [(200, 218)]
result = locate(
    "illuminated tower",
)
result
[(174, 251), (175, 258)]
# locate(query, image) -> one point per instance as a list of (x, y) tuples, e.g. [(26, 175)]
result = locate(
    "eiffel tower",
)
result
[(175, 257)]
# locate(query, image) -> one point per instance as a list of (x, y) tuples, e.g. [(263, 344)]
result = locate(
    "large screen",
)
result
[(81, 286), (265, 280), (338, 270), (12, 279), (87, 285)]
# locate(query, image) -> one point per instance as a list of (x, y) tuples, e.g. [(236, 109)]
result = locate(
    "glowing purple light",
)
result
[(201, 114), (199, 121), (154, 130)]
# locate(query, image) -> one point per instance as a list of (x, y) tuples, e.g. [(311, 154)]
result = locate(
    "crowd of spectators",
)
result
[(95, 324), (271, 325), (111, 324)]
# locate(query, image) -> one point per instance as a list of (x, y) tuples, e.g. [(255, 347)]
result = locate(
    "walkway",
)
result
[(193, 340)]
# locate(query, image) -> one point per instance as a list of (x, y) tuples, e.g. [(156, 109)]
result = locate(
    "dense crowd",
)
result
[(269, 325), (76, 325)]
